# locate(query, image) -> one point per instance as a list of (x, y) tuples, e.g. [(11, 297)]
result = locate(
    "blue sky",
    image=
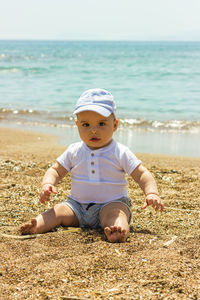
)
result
[(100, 19)]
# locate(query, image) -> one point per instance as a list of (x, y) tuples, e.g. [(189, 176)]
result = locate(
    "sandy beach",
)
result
[(160, 260)]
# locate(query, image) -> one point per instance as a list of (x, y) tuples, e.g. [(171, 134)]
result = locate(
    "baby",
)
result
[(97, 165)]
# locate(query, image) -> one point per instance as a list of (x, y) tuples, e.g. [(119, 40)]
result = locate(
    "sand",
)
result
[(160, 260)]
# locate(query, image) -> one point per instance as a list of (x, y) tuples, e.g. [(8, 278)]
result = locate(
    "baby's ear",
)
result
[(116, 122), (76, 122)]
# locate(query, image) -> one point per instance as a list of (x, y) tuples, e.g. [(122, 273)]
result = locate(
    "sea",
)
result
[(156, 86)]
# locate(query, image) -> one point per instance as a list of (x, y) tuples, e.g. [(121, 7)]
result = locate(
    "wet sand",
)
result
[(159, 261)]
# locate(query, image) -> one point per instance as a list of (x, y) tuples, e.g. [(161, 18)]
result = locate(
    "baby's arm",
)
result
[(147, 183), (51, 178)]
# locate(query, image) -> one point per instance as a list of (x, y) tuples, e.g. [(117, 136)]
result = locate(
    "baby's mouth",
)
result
[(94, 139)]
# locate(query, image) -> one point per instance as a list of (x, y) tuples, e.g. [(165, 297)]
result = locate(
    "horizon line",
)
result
[(101, 40)]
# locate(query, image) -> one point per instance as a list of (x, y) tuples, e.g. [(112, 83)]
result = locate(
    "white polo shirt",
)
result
[(98, 175)]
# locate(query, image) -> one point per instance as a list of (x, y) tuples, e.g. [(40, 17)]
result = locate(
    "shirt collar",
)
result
[(103, 149)]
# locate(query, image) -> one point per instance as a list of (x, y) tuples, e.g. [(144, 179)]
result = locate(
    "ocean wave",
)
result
[(10, 111), (167, 125), (9, 70), (157, 124), (12, 57), (14, 69), (60, 119)]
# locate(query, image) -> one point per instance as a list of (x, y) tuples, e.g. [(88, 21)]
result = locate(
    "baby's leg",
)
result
[(60, 214), (114, 220)]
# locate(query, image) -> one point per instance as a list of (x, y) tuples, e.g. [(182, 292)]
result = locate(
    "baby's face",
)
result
[(96, 130)]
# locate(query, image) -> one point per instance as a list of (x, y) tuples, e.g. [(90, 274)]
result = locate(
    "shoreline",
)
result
[(139, 141), (22, 142)]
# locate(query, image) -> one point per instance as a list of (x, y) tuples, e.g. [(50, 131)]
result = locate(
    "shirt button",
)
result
[(92, 163), (93, 171), (92, 154)]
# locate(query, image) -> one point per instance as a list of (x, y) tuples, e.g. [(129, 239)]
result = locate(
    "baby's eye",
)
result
[(85, 124), (102, 124)]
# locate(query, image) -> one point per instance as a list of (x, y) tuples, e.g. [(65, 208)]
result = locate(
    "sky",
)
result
[(100, 19)]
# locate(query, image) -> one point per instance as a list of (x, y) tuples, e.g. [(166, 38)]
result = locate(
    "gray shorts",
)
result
[(88, 214)]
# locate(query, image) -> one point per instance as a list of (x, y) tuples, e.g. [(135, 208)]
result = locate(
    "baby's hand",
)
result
[(155, 201), (45, 194)]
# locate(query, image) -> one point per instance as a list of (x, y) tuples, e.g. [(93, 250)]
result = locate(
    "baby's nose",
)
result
[(94, 130)]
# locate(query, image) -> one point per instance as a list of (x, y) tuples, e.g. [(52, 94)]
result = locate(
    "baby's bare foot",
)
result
[(29, 228), (116, 234)]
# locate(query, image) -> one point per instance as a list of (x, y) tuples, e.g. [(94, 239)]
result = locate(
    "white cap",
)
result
[(97, 100)]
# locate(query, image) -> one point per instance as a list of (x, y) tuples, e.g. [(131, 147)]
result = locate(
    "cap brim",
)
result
[(96, 108)]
